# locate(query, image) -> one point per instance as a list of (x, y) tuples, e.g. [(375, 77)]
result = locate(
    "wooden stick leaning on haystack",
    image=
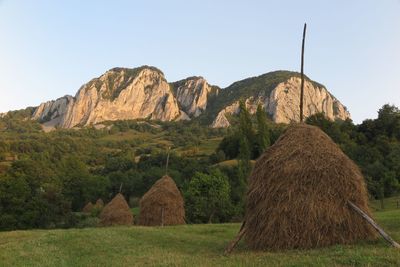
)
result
[(236, 240), (229, 248), (374, 224)]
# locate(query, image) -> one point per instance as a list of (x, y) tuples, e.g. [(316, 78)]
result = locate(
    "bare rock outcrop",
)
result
[(193, 95), (118, 94), (52, 110)]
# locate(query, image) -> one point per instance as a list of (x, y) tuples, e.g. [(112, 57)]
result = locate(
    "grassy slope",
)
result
[(206, 147), (191, 245)]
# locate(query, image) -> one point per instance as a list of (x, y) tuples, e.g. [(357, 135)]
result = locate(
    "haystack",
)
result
[(99, 204), (162, 204), (88, 207), (116, 212), (299, 191)]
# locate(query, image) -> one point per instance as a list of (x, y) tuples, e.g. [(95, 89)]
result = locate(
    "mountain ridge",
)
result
[(144, 93)]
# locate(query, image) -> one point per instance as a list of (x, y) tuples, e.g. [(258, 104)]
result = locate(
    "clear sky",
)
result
[(50, 48)]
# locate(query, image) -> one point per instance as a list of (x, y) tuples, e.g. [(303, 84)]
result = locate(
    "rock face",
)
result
[(192, 94), (221, 121), (144, 93), (53, 111), (282, 104), (122, 94), (116, 95)]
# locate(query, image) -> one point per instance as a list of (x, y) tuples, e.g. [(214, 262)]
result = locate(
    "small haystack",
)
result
[(88, 207), (299, 192), (99, 204), (162, 204), (117, 212)]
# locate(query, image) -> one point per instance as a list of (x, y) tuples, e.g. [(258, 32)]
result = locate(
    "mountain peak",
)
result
[(135, 71)]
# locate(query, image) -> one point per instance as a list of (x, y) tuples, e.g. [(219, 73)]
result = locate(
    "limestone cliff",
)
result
[(193, 94), (123, 94), (282, 103), (116, 95), (52, 111)]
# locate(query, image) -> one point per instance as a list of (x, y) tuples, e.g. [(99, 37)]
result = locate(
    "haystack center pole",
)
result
[(166, 165), (374, 224), (302, 74), (162, 217)]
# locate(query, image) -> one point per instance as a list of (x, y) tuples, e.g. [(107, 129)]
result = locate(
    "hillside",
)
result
[(188, 245), (46, 177), (144, 93)]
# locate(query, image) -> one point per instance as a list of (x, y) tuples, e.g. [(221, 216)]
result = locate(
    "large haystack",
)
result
[(88, 207), (299, 191), (162, 204), (117, 212)]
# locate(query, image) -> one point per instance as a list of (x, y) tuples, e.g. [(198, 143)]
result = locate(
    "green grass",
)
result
[(160, 139), (388, 203), (232, 163), (189, 245), (209, 146)]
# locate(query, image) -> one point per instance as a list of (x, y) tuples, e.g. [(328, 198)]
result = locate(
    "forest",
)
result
[(47, 178)]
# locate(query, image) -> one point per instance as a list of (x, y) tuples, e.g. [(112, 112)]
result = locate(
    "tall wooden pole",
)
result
[(302, 74), (166, 165)]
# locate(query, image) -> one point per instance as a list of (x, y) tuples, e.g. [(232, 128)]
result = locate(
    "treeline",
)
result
[(374, 144)]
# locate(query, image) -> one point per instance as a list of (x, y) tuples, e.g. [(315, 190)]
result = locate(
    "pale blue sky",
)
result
[(50, 48)]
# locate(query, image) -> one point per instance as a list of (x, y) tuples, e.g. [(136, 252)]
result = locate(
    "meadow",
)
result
[(188, 245)]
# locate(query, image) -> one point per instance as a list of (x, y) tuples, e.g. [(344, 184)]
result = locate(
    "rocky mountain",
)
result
[(144, 93), (281, 102)]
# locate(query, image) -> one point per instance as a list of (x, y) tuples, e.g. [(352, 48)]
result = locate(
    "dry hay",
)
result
[(116, 212), (88, 207), (99, 204), (298, 194), (162, 204)]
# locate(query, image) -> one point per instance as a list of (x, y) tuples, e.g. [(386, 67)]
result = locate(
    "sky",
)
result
[(50, 48)]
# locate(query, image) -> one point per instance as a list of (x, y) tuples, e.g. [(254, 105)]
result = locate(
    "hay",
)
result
[(162, 204), (116, 212), (99, 204), (88, 207), (298, 193)]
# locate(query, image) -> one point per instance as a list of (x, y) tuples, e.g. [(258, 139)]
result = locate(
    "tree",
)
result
[(244, 166), (79, 185), (246, 143), (207, 197), (230, 145), (388, 121), (263, 139), (245, 124), (30, 197)]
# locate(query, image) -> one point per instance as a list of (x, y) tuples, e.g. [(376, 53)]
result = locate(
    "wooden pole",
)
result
[(162, 217), (236, 240), (166, 165), (374, 224), (302, 74), (120, 188)]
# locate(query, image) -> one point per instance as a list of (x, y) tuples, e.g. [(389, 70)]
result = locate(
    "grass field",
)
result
[(190, 245)]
